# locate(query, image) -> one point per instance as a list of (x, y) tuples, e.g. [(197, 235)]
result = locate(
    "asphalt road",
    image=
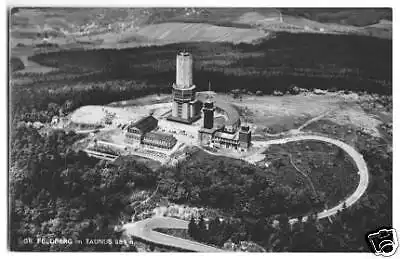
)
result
[(145, 229), (358, 161)]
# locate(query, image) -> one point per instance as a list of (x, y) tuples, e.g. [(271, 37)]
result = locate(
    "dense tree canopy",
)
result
[(56, 192), (16, 64)]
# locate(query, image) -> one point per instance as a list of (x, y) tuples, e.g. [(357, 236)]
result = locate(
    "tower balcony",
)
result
[(183, 94)]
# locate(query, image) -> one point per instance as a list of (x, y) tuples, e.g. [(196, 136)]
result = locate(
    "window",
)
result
[(179, 109)]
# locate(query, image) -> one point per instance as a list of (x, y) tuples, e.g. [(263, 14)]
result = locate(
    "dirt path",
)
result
[(294, 131)]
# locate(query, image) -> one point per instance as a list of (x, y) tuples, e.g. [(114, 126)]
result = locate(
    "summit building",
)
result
[(185, 107)]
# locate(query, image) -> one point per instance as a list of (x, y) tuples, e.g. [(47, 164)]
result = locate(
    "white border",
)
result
[(208, 3)]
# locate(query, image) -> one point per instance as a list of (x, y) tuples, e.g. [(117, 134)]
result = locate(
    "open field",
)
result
[(74, 22), (181, 32), (123, 115), (290, 112), (265, 114), (126, 28), (23, 52)]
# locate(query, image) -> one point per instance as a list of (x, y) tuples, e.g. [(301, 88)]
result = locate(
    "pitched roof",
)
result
[(145, 124)]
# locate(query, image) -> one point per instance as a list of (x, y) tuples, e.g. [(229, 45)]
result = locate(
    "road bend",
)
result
[(144, 229)]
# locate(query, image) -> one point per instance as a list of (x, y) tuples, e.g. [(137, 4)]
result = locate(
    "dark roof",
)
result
[(160, 136), (145, 124), (245, 128)]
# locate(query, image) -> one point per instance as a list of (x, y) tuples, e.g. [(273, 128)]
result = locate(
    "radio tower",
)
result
[(209, 91), (280, 16)]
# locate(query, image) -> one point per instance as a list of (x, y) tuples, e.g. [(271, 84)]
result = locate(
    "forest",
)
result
[(310, 61), (16, 64), (57, 191), (239, 189), (333, 62), (255, 199)]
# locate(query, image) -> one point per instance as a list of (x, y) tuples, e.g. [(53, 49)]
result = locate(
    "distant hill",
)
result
[(132, 27), (344, 16)]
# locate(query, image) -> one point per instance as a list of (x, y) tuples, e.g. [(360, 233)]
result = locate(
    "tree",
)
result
[(53, 108), (192, 228), (16, 64), (214, 225), (294, 89), (202, 229), (66, 196), (340, 154)]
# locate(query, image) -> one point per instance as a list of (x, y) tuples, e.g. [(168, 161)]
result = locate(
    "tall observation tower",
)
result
[(185, 107)]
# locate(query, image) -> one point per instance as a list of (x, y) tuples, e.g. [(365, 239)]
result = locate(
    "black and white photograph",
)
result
[(200, 129)]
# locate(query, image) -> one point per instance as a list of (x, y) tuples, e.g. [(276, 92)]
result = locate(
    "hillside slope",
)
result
[(37, 23), (33, 30)]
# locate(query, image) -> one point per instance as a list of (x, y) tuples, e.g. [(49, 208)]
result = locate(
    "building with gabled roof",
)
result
[(142, 132), (144, 125), (160, 140)]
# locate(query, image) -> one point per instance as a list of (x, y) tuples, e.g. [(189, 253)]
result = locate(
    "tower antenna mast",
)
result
[(209, 91)]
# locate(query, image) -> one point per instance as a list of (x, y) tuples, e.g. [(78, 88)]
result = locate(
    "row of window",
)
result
[(133, 135), (159, 145), (222, 140), (133, 130), (149, 141), (179, 109)]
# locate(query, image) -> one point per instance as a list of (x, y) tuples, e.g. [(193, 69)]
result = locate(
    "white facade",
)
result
[(185, 111), (184, 67), (175, 109)]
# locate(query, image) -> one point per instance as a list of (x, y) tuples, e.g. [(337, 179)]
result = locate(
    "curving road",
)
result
[(357, 158), (145, 229)]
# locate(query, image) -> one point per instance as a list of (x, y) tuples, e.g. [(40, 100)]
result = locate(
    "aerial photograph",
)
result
[(200, 129)]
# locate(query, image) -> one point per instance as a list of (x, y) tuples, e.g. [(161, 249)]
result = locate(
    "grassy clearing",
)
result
[(186, 32), (277, 114)]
